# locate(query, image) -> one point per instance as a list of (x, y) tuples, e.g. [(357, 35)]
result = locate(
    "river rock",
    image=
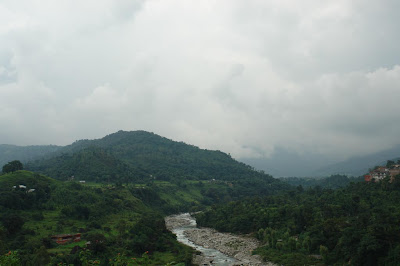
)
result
[(237, 247)]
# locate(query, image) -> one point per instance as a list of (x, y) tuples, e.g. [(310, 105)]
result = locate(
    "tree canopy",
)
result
[(12, 166)]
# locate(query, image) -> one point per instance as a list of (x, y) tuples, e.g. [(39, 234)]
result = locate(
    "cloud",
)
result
[(244, 77)]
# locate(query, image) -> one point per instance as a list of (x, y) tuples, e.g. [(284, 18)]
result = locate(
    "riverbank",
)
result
[(237, 247)]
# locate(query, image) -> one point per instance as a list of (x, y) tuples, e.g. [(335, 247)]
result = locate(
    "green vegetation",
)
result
[(356, 225), (167, 175), (133, 179), (146, 154), (110, 217), (90, 164), (12, 166), (333, 181)]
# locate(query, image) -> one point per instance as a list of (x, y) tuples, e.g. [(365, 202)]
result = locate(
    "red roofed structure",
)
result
[(66, 238)]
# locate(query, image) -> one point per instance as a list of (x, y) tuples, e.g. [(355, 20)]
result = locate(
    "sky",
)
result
[(243, 76)]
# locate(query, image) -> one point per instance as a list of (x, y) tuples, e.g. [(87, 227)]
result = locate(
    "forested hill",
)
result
[(89, 164), (146, 154)]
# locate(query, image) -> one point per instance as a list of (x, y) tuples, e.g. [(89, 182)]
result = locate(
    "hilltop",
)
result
[(144, 155)]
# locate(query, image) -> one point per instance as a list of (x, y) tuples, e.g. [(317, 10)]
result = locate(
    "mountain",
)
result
[(141, 154), (285, 163), (357, 166), (24, 153), (89, 164)]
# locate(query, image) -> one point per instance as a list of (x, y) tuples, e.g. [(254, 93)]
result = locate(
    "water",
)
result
[(213, 255)]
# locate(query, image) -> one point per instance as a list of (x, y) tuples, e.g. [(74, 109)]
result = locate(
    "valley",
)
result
[(111, 200)]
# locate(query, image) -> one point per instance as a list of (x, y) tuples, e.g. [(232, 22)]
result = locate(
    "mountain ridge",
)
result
[(152, 155), (359, 165)]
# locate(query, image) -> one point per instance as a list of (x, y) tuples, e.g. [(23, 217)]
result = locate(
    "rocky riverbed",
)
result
[(238, 249)]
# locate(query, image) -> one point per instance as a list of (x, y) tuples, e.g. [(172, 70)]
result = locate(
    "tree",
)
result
[(12, 166), (41, 256), (13, 223), (97, 242), (390, 163)]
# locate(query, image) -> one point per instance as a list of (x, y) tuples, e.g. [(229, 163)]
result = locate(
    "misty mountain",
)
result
[(24, 153), (284, 163), (359, 165)]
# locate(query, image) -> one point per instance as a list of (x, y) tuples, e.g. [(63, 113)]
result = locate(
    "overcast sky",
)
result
[(241, 76)]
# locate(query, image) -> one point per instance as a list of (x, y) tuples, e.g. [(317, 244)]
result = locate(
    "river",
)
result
[(216, 248)]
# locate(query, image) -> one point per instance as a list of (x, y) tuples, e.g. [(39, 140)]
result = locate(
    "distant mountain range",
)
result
[(24, 153), (357, 166), (283, 163)]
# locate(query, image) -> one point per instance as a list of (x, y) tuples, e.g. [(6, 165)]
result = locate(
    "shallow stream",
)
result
[(180, 223)]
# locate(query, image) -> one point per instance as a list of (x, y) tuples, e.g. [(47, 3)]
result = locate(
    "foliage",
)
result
[(333, 181), (286, 258), (12, 223), (10, 259), (24, 153), (90, 164), (140, 155), (109, 217), (357, 224), (12, 166)]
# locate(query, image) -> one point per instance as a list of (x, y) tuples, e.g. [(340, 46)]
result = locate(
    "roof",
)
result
[(66, 235)]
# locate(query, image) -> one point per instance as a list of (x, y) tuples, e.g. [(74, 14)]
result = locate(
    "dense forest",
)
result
[(355, 225), (90, 164), (333, 181), (145, 153)]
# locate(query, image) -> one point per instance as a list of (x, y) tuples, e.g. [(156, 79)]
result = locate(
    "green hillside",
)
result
[(110, 217), (90, 164), (146, 158), (162, 158)]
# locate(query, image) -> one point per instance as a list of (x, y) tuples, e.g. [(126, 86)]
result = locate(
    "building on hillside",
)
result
[(382, 172), (66, 238), (367, 178)]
